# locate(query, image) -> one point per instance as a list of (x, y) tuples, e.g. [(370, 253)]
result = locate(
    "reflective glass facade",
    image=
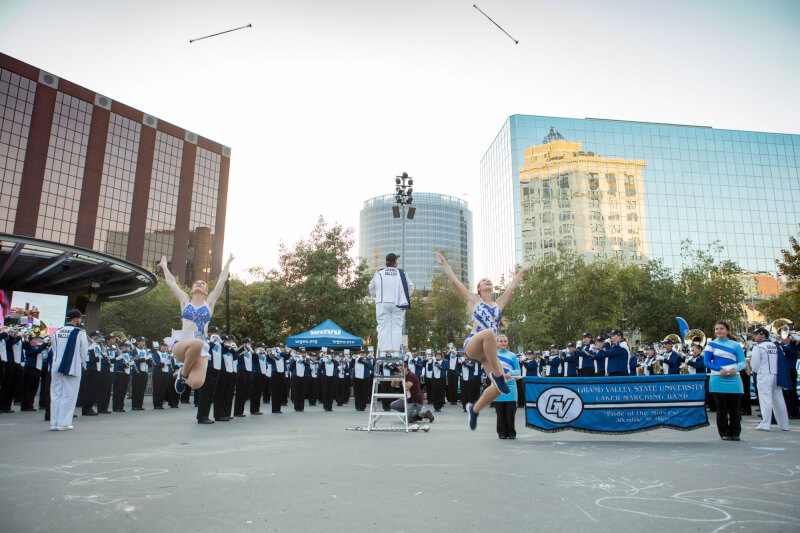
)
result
[(16, 107), (116, 189), (203, 217), (635, 191), (63, 178), (441, 222), (163, 206)]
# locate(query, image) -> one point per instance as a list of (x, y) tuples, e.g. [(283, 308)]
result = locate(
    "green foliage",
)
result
[(563, 296), (418, 327), (315, 281), (447, 314), (152, 315), (711, 288), (244, 316)]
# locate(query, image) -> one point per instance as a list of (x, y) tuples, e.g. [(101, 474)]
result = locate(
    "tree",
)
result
[(418, 327), (314, 281), (245, 320), (152, 315), (711, 288), (447, 314)]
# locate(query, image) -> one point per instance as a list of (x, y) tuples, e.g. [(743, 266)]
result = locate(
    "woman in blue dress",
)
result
[(481, 344), (191, 341)]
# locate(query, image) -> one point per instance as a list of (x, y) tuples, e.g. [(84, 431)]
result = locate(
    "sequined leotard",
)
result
[(200, 316), (485, 317)]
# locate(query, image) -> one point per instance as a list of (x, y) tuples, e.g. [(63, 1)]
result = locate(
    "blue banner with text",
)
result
[(616, 404)]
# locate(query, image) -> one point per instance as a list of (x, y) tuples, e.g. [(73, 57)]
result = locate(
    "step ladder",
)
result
[(384, 359)]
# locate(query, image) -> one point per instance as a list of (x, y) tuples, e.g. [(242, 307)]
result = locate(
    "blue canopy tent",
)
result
[(327, 334)]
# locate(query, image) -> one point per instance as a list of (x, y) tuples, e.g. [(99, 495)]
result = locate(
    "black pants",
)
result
[(223, 394), (298, 392), (506, 412), (104, 380), (361, 393), (790, 396), (8, 388), (452, 387), (160, 381), (257, 380), (326, 390), (747, 408), (206, 393), (278, 386), (44, 396), (30, 384), (438, 392), (728, 418), (312, 390), (586, 372), (121, 382), (267, 396), (385, 388), (242, 391), (138, 385), (87, 396)]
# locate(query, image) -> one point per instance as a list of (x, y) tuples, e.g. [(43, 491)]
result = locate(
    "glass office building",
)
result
[(441, 222), (635, 191)]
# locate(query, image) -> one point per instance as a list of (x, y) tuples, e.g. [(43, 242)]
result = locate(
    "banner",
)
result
[(49, 308), (623, 404)]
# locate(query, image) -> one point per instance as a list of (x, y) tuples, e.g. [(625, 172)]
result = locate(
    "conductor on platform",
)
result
[(392, 290), (70, 349)]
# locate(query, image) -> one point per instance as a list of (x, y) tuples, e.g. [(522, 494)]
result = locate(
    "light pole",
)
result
[(403, 186)]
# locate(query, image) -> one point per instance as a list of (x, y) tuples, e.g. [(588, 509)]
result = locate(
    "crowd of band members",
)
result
[(246, 374)]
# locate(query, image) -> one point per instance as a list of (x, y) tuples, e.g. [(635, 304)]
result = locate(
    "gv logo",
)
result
[(559, 405)]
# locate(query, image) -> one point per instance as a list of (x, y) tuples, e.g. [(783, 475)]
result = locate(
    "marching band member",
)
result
[(141, 361), (244, 365), (670, 359), (278, 381), (161, 375), (452, 374), (342, 377), (600, 363), (312, 380), (34, 353), (764, 360), (299, 371), (695, 362), (207, 392), (586, 367), (258, 377), (650, 358), (426, 381), (725, 358), (223, 396), (122, 376), (633, 364), (70, 350), (412, 360), (438, 380), (106, 377), (360, 370), (87, 397), (616, 355), (554, 362), (327, 369), (570, 361), (13, 369)]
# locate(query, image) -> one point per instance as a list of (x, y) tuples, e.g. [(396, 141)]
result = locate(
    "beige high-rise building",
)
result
[(580, 200)]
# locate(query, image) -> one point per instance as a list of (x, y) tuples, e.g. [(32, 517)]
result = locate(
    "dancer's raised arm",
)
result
[(506, 296), (460, 288), (223, 277), (182, 297)]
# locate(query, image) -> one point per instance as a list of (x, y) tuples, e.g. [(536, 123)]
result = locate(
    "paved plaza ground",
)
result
[(160, 471)]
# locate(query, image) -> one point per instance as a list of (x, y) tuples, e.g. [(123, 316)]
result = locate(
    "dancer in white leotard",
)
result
[(192, 338), (481, 344)]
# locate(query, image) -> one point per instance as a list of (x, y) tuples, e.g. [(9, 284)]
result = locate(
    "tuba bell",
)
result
[(37, 330), (119, 336), (781, 327), (695, 335)]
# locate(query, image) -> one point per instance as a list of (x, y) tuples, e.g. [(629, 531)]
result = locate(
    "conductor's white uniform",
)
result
[(764, 361), (391, 302), (65, 382)]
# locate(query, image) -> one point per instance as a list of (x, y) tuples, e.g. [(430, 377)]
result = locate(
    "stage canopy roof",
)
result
[(327, 334), (36, 265)]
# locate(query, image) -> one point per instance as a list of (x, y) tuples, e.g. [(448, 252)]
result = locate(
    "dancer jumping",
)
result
[(191, 341), (481, 344)]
